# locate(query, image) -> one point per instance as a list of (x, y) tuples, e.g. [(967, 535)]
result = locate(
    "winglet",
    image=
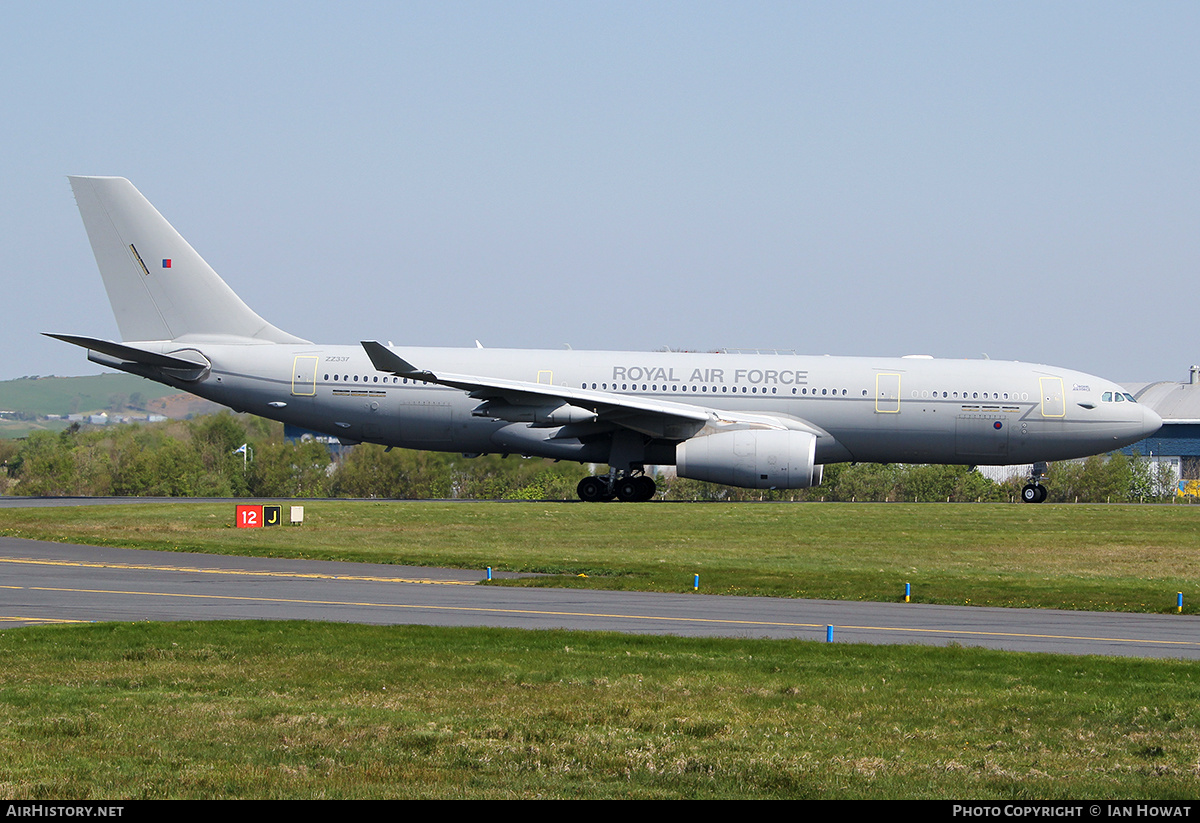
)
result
[(384, 359)]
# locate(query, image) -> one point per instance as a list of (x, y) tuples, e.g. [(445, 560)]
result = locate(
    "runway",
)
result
[(42, 583)]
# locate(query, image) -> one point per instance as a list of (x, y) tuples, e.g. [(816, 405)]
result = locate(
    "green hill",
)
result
[(26, 403), (30, 397)]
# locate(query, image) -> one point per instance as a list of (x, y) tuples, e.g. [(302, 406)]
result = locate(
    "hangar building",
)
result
[(1177, 443)]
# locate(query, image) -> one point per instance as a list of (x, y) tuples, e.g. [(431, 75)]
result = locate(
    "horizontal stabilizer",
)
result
[(189, 362)]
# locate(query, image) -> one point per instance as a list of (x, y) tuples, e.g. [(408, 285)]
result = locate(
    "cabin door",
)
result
[(887, 393)]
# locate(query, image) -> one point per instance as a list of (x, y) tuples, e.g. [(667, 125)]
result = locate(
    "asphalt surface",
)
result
[(55, 583)]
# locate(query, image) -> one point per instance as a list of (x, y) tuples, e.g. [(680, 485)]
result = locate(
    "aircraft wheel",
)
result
[(629, 489), (1043, 493), (591, 490), (1033, 494), (646, 488)]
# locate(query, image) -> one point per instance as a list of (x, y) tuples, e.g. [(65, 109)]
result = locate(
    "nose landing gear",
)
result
[(1034, 491)]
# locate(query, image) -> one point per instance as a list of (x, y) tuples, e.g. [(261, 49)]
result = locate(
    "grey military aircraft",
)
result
[(751, 420)]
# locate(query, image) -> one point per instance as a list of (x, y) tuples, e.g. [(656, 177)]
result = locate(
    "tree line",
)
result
[(202, 457)]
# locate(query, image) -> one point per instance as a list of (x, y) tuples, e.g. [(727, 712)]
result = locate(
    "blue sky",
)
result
[(835, 178)]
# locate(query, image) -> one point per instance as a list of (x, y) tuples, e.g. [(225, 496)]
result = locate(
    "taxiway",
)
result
[(60, 583)]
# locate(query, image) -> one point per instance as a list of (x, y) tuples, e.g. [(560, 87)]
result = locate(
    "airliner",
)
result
[(763, 421)]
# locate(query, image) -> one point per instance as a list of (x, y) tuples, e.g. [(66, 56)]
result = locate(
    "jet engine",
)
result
[(751, 458)]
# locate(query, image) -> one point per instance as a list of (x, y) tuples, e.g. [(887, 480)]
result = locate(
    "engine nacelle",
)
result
[(752, 459)]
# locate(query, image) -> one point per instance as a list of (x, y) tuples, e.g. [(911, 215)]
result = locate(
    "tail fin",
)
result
[(159, 287)]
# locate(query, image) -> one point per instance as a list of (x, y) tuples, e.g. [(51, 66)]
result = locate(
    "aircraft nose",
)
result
[(1151, 422)]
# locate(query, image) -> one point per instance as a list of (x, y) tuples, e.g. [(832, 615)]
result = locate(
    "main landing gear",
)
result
[(629, 488), (1034, 491)]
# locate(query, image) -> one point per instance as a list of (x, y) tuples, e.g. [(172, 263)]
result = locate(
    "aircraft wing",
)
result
[(561, 405)]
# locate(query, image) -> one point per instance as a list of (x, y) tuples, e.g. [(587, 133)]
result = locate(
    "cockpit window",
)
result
[(1106, 397), (1119, 398), (1129, 397)]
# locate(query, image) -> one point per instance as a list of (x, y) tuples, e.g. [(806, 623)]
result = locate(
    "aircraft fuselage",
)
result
[(916, 410)]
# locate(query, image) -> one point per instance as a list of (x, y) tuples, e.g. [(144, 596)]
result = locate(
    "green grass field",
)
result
[(306, 710), (310, 710), (1109, 558)]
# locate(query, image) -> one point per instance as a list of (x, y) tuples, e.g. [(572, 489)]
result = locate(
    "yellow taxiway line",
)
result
[(246, 572), (636, 617)]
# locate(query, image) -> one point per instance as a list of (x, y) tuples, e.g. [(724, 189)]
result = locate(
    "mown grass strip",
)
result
[(306, 710), (1093, 557)]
